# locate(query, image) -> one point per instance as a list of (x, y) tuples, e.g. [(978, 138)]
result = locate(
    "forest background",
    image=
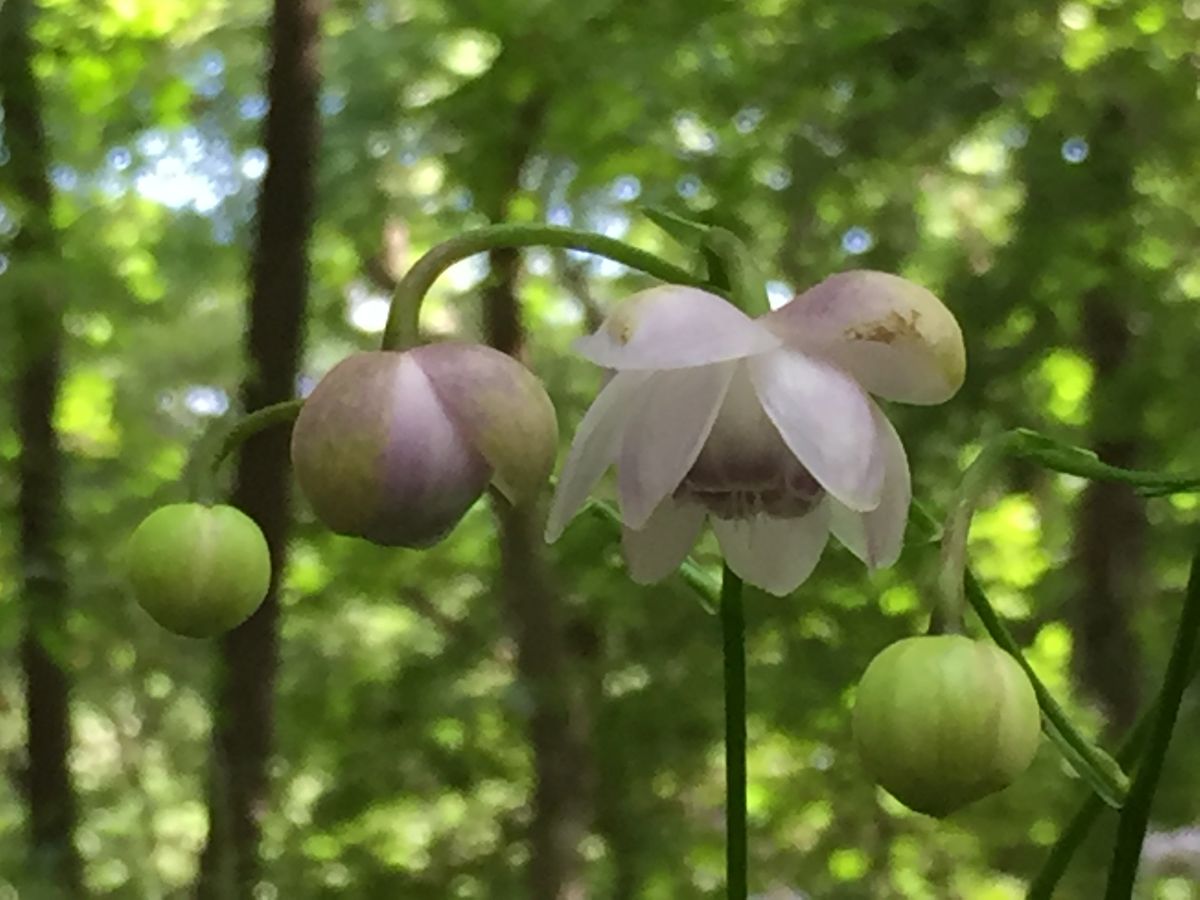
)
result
[(203, 206)]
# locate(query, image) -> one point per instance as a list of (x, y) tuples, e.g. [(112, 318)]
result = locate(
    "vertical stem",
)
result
[(948, 614), (1043, 885), (733, 632), (1072, 837), (1131, 829)]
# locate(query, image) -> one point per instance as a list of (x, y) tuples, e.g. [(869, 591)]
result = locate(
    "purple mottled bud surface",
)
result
[(395, 447)]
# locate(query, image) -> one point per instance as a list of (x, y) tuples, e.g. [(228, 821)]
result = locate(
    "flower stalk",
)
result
[(956, 583), (733, 634), (200, 474), (1131, 828), (402, 332), (948, 615), (1044, 884)]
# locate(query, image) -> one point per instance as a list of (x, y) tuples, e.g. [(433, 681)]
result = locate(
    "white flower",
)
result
[(763, 426)]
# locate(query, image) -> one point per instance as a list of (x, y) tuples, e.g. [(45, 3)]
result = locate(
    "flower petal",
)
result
[(894, 336), (596, 443), (825, 419), (501, 407), (674, 327), (774, 554), (655, 551), (876, 537), (663, 438)]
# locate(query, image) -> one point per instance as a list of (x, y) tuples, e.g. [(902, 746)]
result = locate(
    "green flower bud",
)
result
[(395, 447), (198, 570), (943, 721)]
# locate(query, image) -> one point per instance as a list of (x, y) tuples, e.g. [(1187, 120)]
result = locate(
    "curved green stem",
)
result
[(733, 633), (1085, 464), (1092, 763), (1101, 770), (731, 263), (401, 330), (948, 615), (201, 471), (1043, 885), (1131, 829)]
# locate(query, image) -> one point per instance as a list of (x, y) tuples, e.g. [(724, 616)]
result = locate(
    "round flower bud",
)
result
[(395, 447), (198, 570), (943, 721)]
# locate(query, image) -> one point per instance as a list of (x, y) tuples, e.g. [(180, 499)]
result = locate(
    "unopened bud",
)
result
[(395, 447), (198, 570), (942, 721)]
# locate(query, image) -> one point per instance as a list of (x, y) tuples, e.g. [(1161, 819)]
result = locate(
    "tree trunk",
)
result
[(38, 328), (1110, 531), (1110, 521), (243, 732), (558, 725), (558, 722)]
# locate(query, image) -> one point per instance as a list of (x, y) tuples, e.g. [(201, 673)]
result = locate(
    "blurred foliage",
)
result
[(1016, 157)]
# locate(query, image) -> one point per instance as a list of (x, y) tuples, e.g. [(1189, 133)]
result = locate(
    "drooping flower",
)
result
[(764, 427), (395, 447)]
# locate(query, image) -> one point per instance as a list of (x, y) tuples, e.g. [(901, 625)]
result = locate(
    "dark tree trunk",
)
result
[(1110, 521), (1110, 531), (558, 722), (279, 274), (558, 725), (38, 328)]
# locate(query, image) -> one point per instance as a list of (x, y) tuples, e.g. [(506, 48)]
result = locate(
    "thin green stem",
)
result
[(402, 331), (948, 614), (1072, 838), (1085, 464), (1097, 767), (1131, 828), (201, 471), (747, 286), (1043, 885), (1101, 772), (733, 632)]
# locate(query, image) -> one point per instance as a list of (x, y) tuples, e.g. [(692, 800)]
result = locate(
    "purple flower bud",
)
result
[(395, 447)]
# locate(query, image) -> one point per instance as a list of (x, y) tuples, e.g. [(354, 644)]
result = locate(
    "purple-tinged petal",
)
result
[(656, 549), (663, 438), (378, 456), (430, 468), (894, 336), (596, 444), (502, 409), (673, 327), (825, 419), (776, 555), (877, 537)]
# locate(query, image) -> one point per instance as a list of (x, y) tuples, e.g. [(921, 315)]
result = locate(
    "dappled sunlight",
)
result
[(465, 719)]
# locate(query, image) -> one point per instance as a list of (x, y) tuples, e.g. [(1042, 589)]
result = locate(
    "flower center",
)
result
[(745, 468), (784, 499)]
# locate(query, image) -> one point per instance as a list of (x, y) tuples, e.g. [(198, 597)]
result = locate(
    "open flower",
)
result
[(762, 426)]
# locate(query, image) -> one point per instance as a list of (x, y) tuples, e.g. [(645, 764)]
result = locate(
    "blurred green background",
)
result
[(498, 719)]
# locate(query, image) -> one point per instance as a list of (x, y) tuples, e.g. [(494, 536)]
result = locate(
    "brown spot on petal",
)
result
[(620, 327), (892, 328)]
